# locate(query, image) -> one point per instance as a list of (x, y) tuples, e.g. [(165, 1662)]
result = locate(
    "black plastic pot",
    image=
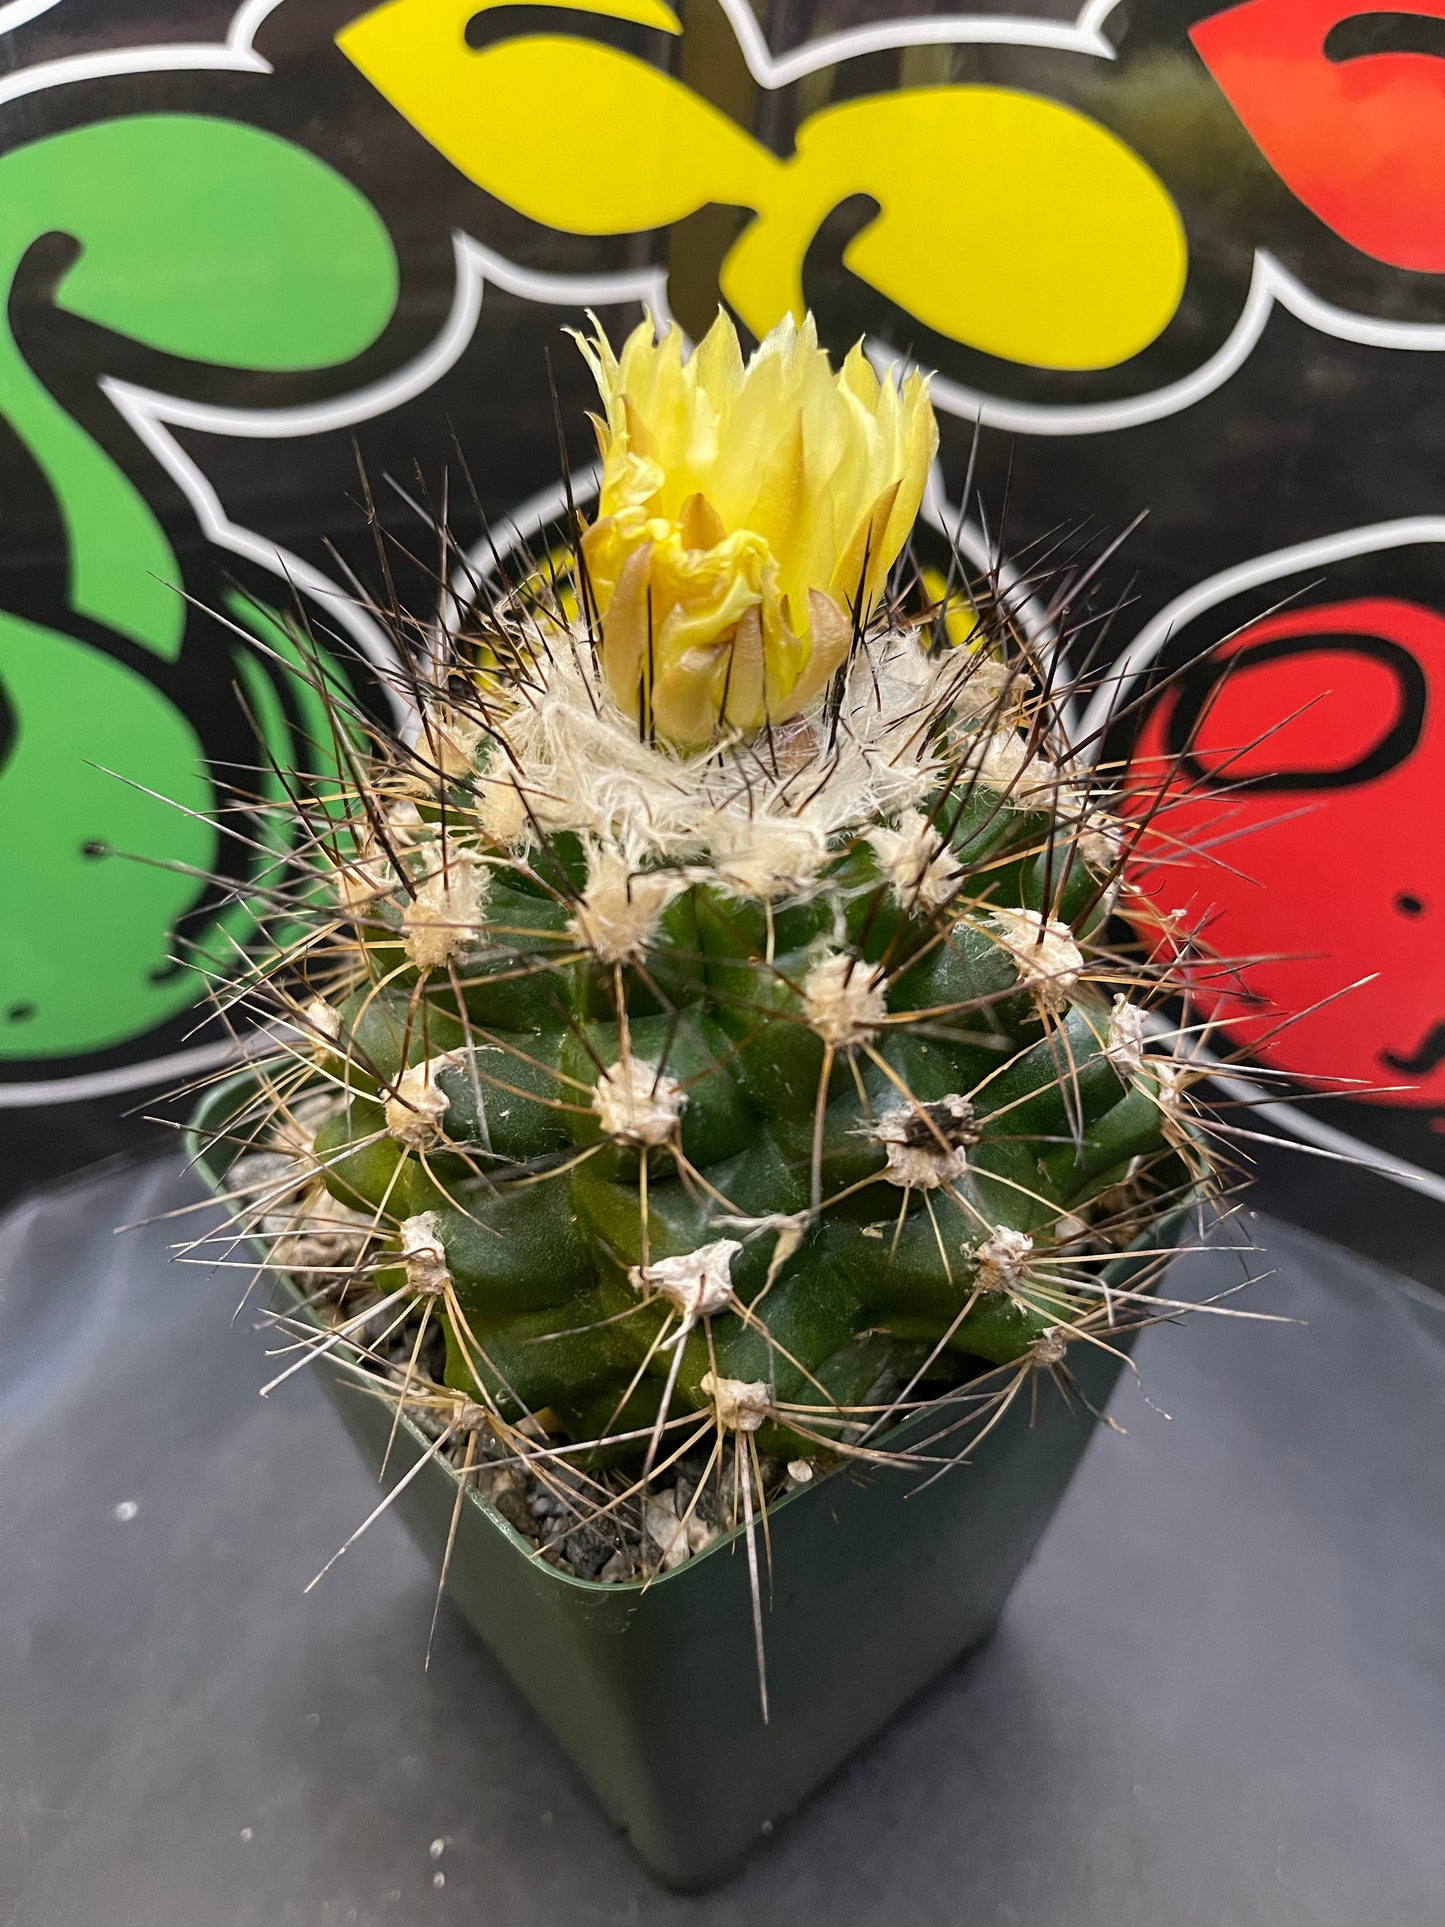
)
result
[(879, 1580)]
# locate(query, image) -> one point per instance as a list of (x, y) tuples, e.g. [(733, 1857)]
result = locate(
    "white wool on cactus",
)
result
[(359, 880), (766, 855), (698, 1282), (581, 765), (424, 1255), (918, 864), (1049, 1348), (1005, 763), (1002, 1260), (404, 821), (450, 741), (321, 1019), (843, 1001), (637, 1102), (927, 1144), (1100, 842), (444, 918), (416, 1107), (986, 690), (1124, 1045), (741, 1404), (505, 811), (1173, 1088), (1044, 953), (620, 907)]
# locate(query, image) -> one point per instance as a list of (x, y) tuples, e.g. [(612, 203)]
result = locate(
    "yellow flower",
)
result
[(748, 519)]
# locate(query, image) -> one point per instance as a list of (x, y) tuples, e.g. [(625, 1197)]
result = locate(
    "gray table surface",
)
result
[(1217, 1698)]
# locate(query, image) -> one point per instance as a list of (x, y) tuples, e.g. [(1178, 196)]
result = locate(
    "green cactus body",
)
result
[(795, 1138)]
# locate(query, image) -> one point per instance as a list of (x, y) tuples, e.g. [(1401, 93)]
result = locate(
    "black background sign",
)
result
[(243, 251)]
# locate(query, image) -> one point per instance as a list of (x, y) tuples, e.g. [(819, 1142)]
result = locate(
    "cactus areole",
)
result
[(712, 1000)]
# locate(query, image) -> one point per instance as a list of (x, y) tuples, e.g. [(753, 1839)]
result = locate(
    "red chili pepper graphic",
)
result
[(1357, 134), (1309, 752)]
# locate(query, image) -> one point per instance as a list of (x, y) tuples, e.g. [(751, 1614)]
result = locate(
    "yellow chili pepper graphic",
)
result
[(1006, 221)]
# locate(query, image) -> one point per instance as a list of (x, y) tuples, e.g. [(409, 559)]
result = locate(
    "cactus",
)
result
[(712, 1026)]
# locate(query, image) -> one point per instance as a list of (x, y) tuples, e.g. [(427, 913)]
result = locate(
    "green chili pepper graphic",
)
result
[(215, 242)]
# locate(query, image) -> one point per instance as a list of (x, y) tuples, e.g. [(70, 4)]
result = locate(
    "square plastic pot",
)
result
[(880, 1579)]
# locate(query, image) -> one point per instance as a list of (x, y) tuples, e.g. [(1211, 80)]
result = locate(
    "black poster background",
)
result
[(1293, 417)]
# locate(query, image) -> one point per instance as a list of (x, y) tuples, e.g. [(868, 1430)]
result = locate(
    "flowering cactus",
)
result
[(712, 1027)]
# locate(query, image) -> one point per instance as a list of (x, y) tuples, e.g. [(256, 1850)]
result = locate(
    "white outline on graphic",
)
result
[(342, 411), (1342, 547), (1300, 1123), (1083, 35), (647, 285), (489, 553), (974, 543), (517, 526), (1270, 286), (140, 409), (19, 13)]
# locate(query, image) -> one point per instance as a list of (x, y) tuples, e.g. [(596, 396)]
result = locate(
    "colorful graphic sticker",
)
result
[(952, 170), (220, 243), (1347, 103), (1297, 767)]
